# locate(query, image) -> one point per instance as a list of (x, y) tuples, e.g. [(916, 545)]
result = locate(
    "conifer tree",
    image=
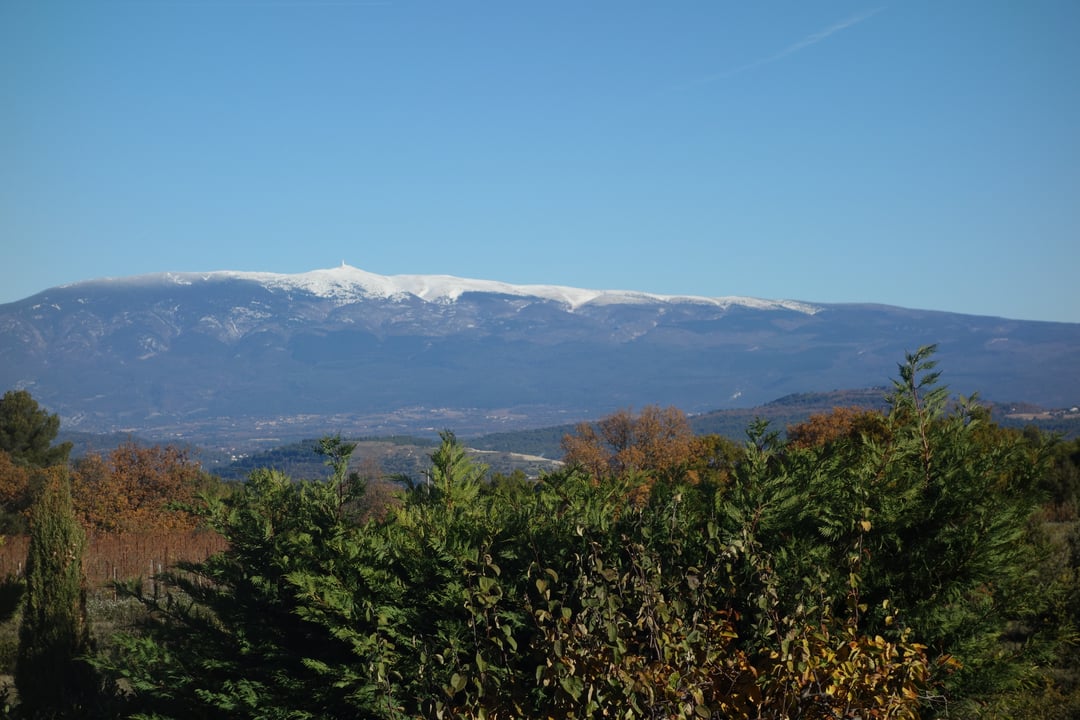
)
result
[(27, 431), (50, 675)]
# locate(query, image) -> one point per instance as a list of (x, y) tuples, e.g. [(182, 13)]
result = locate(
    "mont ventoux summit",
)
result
[(192, 355)]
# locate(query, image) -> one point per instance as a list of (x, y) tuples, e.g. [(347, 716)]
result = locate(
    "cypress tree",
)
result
[(50, 675)]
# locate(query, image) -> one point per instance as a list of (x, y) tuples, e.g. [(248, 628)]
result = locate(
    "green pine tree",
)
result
[(27, 431)]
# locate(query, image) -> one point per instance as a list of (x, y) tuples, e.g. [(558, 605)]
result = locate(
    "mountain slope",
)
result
[(234, 354)]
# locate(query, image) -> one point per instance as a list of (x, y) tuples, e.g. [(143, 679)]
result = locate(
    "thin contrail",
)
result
[(806, 42)]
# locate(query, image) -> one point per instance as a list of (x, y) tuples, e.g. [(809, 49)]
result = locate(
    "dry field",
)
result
[(108, 559), (111, 558)]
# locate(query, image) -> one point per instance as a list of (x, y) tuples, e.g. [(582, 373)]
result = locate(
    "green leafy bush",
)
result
[(871, 575)]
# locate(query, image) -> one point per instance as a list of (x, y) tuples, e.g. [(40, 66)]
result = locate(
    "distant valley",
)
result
[(237, 362), (538, 450)]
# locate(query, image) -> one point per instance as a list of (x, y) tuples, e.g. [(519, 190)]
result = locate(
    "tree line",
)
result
[(896, 564)]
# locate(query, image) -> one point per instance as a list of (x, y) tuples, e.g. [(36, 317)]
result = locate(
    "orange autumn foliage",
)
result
[(843, 422), (657, 442), (658, 445), (133, 489), (15, 496)]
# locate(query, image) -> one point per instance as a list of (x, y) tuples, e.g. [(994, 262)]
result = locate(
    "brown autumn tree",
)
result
[(842, 422), (26, 435), (380, 494), (715, 457), (133, 488), (658, 444), (15, 495)]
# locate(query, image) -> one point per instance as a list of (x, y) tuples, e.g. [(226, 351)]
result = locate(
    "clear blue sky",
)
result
[(923, 154)]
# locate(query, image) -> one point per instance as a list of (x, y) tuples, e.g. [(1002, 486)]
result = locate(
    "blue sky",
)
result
[(923, 154)]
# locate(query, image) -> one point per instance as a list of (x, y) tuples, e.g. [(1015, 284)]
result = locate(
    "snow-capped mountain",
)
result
[(193, 353), (346, 284)]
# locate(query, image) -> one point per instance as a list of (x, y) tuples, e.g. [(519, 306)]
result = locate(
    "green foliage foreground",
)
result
[(868, 577)]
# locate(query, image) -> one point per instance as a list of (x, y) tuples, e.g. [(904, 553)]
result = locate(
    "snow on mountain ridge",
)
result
[(349, 284)]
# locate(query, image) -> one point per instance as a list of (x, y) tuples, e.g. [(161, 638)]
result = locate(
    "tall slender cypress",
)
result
[(50, 674)]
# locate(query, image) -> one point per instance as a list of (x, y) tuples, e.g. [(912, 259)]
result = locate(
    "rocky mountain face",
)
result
[(234, 354)]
